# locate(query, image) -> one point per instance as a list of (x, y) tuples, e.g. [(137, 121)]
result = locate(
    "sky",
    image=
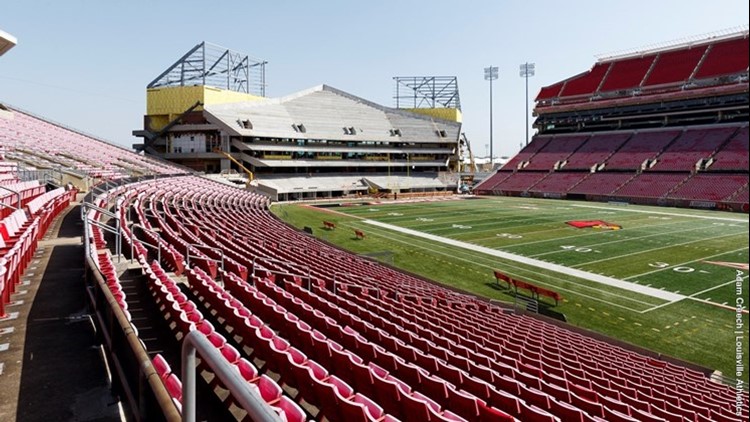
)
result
[(86, 63)]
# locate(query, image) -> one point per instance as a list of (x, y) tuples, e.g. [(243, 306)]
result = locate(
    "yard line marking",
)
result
[(655, 249), (609, 281), (704, 217), (432, 248), (542, 220), (716, 287), (491, 223), (693, 296), (440, 211), (684, 263), (723, 305), (629, 239), (591, 233)]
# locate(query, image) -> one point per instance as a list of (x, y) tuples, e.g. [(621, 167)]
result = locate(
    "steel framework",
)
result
[(212, 65), (427, 92)]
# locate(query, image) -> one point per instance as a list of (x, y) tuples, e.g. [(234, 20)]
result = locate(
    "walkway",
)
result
[(52, 367)]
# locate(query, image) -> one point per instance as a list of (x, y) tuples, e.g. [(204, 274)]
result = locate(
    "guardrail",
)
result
[(196, 343)]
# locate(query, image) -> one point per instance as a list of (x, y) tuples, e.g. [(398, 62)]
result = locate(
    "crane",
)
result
[(249, 173), (467, 179)]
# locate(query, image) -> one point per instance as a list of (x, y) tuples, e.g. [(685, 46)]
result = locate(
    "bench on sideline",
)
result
[(535, 290)]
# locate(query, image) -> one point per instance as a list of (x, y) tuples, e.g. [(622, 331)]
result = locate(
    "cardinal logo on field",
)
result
[(596, 224)]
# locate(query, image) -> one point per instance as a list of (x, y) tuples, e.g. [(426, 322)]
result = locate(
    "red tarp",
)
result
[(599, 224)]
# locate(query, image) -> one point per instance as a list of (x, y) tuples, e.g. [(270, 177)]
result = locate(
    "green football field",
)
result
[(657, 282)]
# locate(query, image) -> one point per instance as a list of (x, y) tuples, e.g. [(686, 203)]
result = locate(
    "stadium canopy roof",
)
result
[(327, 113), (7, 42), (680, 44)]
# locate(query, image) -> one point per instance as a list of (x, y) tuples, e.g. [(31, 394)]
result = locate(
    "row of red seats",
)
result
[(27, 190), (717, 187), (671, 149), (183, 317), (324, 262), (689, 148), (556, 150), (596, 150), (386, 374), (186, 317), (661, 70), (31, 138), (711, 187), (20, 232), (734, 155), (333, 396), (617, 390), (277, 249)]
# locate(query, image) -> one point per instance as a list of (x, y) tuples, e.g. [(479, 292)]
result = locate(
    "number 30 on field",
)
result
[(676, 269)]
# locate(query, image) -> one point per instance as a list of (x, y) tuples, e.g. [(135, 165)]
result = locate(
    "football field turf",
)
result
[(667, 280)]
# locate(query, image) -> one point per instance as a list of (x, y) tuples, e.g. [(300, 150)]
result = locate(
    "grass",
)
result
[(658, 247)]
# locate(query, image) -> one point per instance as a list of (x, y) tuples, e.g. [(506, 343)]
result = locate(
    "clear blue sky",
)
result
[(86, 63)]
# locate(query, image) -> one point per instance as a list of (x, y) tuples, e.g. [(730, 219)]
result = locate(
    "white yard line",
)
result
[(627, 239), (716, 287), (609, 281), (492, 226), (432, 248), (674, 214), (649, 250), (567, 228), (684, 263)]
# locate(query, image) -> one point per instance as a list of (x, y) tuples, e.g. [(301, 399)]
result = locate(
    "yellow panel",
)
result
[(176, 99), (165, 104), (172, 100), (157, 121), (452, 114), (222, 96)]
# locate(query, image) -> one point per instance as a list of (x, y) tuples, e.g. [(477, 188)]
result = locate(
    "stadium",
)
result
[(320, 256)]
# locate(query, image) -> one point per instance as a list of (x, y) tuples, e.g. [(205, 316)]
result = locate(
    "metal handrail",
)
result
[(132, 241), (18, 195), (263, 258), (198, 246), (195, 342), (148, 373), (8, 206), (85, 207)]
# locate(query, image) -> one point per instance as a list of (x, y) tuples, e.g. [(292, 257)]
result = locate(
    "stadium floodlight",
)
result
[(490, 74), (526, 70)]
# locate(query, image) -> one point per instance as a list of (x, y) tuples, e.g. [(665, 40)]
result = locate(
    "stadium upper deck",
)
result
[(37, 143), (708, 67), (665, 127)]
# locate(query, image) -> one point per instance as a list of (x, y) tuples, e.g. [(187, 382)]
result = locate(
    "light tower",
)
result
[(527, 70), (490, 74)]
